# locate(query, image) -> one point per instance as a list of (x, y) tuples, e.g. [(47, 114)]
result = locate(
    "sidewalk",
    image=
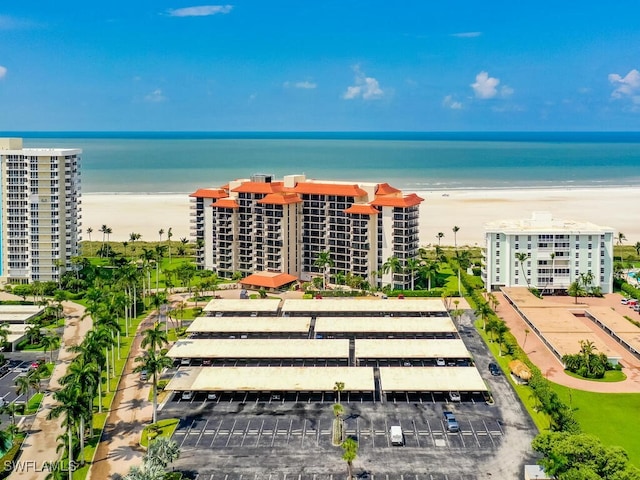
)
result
[(40, 445), (119, 447)]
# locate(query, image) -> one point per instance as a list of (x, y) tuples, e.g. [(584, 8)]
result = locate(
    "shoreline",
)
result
[(469, 209)]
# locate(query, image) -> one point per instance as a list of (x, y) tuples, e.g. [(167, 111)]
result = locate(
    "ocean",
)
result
[(181, 162)]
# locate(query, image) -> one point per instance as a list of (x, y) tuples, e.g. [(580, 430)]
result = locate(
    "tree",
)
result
[(50, 342), (621, 238), (526, 333), (338, 387), (324, 262), (393, 265), (483, 311), (523, 257), (412, 266), (153, 363), (439, 236), (169, 235), (4, 332), (637, 247), (350, 452), (162, 451), (154, 338), (576, 290), (71, 406), (455, 229), (89, 232), (429, 270), (160, 233)]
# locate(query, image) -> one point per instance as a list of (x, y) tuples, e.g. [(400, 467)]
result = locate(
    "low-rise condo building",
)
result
[(260, 224), (40, 191), (547, 254)]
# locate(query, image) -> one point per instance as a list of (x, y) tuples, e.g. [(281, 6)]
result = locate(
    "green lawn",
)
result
[(164, 428), (609, 376), (611, 417)]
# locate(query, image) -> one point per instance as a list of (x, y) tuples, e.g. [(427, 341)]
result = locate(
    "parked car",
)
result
[(451, 422), (187, 395), (494, 369), (206, 362), (440, 362), (212, 396), (185, 362), (454, 396), (624, 301), (397, 437), (143, 375), (636, 308)]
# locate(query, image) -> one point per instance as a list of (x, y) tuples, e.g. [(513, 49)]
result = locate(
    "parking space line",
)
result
[(230, 433), (415, 432), (260, 430), (246, 430), (215, 435), (289, 431), (489, 433), (202, 432), (473, 431), (275, 430)]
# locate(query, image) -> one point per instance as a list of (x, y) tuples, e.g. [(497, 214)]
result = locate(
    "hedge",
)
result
[(434, 292)]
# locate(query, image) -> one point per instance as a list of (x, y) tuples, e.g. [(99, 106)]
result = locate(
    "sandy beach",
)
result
[(618, 208)]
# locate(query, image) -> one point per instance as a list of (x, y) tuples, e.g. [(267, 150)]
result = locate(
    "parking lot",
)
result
[(289, 436)]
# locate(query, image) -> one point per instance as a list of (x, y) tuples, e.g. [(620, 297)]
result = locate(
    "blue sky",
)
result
[(319, 65)]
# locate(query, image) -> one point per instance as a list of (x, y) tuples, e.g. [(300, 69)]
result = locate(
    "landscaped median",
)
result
[(163, 428)]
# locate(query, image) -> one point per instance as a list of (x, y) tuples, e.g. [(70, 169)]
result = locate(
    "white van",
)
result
[(397, 438)]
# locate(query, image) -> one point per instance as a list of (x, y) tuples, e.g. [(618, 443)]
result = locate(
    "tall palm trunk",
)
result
[(99, 389), (70, 439), (155, 397), (106, 354)]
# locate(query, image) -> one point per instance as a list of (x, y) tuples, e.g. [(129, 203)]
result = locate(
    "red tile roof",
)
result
[(268, 279), (259, 187), (386, 189), (362, 209), (209, 193), (345, 190), (391, 201), (280, 198), (225, 203)]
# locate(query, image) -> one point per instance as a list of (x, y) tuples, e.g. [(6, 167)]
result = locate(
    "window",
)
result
[(497, 253), (517, 246), (577, 254), (589, 255), (516, 281), (602, 270), (498, 270), (577, 263)]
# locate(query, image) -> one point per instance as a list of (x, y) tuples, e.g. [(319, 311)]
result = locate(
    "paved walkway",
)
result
[(119, 448), (40, 445), (552, 368)]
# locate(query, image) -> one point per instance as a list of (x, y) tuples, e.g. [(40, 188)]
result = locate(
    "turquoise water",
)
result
[(184, 161)]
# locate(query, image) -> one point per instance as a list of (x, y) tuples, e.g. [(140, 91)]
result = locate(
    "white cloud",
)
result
[(506, 91), (200, 11), (466, 34), (306, 85), (485, 86), (368, 88), (449, 102), (3, 71), (155, 97), (626, 86)]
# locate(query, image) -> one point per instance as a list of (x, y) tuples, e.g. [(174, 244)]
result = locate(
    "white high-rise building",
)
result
[(40, 229), (554, 254), (261, 224)]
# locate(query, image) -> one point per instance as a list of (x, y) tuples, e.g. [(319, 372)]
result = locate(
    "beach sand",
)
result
[(618, 208)]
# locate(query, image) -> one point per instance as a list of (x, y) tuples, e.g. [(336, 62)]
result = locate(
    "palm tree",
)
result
[(621, 238), (392, 265), (70, 405), (160, 233), (50, 342), (89, 232), (84, 373), (338, 387), (350, 448), (483, 311), (23, 386), (439, 236), (429, 270), (169, 235), (153, 363), (4, 332), (154, 338), (159, 251), (526, 333), (162, 451), (324, 262), (103, 229), (576, 290), (523, 257), (455, 229), (412, 266), (637, 247)]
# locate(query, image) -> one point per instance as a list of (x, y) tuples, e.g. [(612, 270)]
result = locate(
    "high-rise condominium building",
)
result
[(40, 193), (547, 254), (260, 224)]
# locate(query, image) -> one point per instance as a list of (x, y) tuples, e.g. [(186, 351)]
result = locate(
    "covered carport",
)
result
[(263, 352), (377, 307), (250, 327), (384, 328), (261, 383), (242, 307), (411, 353), (411, 384)]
